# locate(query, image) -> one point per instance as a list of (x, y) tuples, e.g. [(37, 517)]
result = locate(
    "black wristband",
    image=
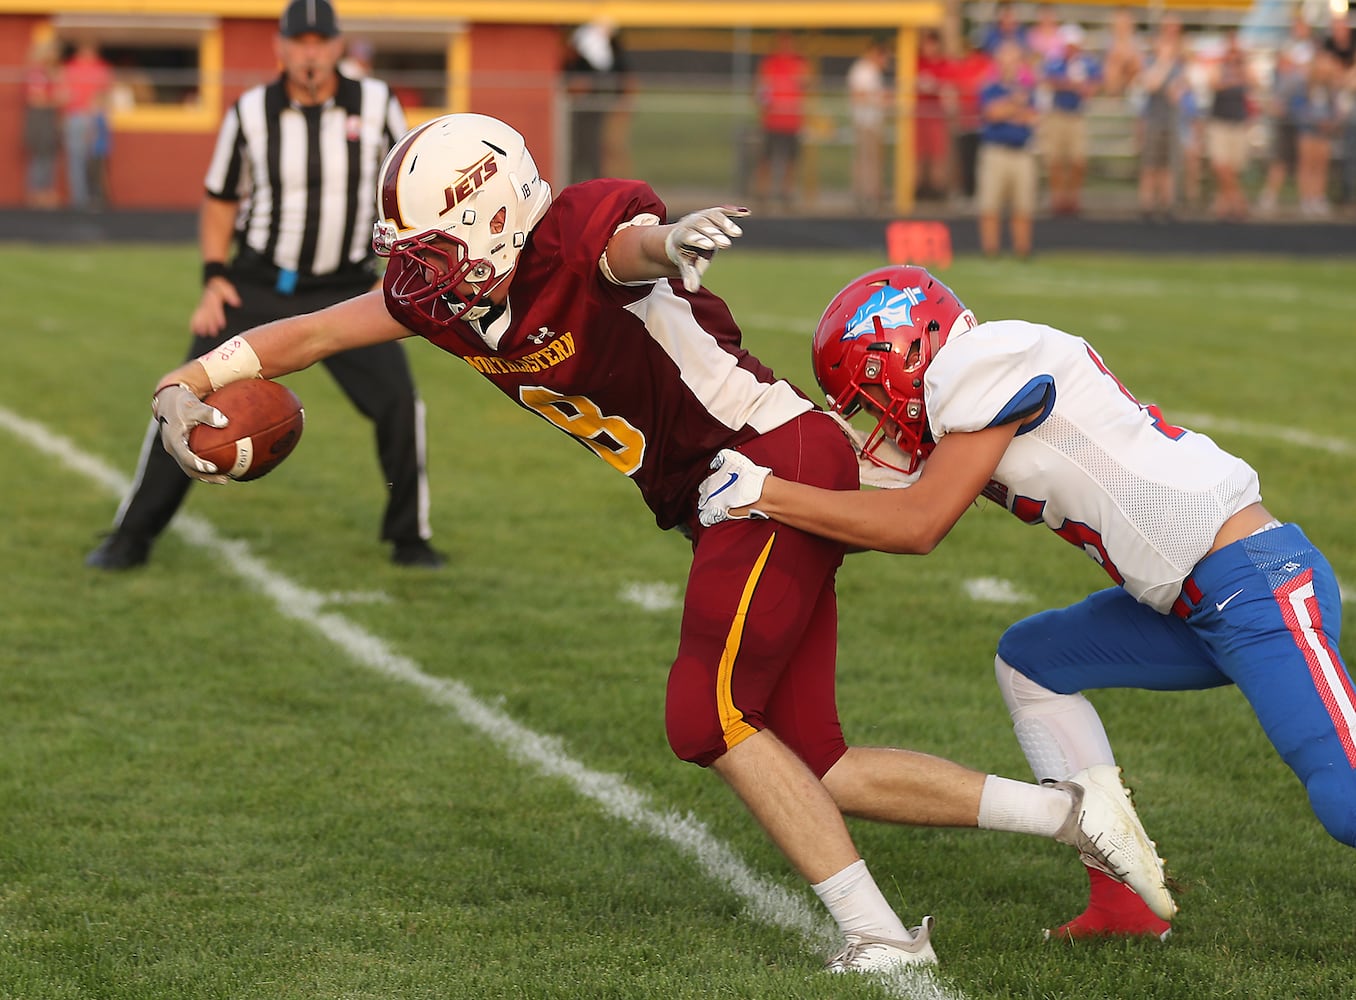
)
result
[(213, 269)]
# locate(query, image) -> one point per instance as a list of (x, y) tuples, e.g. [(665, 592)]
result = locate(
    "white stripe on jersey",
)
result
[(291, 221), (380, 117), (733, 395), (334, 190)]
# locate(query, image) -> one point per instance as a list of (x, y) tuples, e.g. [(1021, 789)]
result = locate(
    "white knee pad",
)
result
[(1060, 734)]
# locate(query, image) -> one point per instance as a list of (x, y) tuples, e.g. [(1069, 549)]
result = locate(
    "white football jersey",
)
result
[(1143, 498)]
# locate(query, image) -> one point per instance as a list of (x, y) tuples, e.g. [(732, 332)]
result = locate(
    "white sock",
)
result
[(1020, 807), (1060, 734), (856, 903)]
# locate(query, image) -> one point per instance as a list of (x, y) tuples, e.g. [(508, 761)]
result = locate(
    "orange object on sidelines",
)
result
[(925, 243)]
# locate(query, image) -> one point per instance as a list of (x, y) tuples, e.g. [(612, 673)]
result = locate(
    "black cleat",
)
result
[(417, 553), (119, 551)]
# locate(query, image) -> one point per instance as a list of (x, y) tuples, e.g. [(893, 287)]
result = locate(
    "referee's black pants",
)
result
[(376, 379)]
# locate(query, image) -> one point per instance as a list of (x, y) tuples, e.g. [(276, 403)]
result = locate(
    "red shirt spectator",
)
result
[(783, 77), (87, 78), (967, 76), (932, 133)]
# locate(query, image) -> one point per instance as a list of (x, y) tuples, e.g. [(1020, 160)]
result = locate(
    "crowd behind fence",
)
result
[(689, 110)]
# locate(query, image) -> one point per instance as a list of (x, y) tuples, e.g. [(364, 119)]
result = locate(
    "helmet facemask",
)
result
[(431, 270), (900, 439)]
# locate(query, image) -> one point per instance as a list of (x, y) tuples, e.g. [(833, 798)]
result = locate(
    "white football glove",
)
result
[(737, 482), (179, 410), (696, 237)]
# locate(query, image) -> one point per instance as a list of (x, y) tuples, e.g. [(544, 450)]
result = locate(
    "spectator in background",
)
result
[(1044, 38), (1346, 110), (1287, 82), (1163, 84), (931, 129), (87, 81), (1005, 28), (1124, 58), (597, 77), (1226, 134), (1072, 76), (100, 150), (42, 123), (357, 61), (782, 85), (1339, 42), (1007, 175), (967, 74), (1316, 123), (1191, 144), (868, 99)]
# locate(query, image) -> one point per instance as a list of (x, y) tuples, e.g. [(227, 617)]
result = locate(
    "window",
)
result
[(425, 64), (166, 70)]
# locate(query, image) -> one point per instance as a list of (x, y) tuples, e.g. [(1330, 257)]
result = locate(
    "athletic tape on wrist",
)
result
[(233, 361)]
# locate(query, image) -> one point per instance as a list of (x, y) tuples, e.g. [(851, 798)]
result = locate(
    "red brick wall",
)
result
[(514, 69)]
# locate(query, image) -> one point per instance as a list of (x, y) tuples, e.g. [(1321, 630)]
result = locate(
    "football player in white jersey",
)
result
[(1211, 588)]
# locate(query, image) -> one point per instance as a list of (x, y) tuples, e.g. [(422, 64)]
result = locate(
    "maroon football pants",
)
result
[(760, 619)]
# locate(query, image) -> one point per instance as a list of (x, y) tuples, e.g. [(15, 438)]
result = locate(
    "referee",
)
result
[(301, 155)]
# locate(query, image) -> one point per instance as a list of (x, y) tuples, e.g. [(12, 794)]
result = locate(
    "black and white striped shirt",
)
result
[(306, 176)]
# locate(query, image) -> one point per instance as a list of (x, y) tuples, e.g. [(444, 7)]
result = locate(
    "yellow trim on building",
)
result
[(674, 13), (458, 98)]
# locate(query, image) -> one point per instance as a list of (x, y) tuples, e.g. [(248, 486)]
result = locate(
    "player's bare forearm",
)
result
[(637, 254), (297, 342), (884, 520), (912, 520)]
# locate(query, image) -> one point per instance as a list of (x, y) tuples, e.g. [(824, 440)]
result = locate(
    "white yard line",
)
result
[(767, 901), (1272, 432), (994, 590), (651, 596)]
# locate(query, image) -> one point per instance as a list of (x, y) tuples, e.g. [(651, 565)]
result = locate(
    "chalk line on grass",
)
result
[(766, 900)]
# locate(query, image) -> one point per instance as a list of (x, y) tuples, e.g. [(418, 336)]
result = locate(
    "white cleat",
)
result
[(864, 953), (1108, 836)]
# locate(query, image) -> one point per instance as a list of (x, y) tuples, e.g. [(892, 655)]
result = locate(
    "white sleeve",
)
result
[(986, 376)]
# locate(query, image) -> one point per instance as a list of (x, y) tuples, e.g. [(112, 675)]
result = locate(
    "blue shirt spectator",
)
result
[(1005, 132), (1071, 76), (1006, 28)]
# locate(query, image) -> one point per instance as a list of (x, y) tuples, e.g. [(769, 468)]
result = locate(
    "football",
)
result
[(265, 425)]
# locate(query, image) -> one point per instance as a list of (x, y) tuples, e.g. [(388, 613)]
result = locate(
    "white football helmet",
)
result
[(458, 196)]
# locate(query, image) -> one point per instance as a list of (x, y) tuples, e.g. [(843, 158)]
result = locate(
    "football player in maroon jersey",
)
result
[(588, 310)]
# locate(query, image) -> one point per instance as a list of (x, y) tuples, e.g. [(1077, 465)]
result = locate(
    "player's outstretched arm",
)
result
[(267, 351)]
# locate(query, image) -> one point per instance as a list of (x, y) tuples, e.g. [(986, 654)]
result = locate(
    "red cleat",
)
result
[(1114, 911)]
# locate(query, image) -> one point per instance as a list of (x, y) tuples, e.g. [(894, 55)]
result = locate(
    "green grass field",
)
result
[(271, 765)]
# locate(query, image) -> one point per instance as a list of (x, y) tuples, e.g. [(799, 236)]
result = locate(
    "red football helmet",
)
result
[(883, 329)]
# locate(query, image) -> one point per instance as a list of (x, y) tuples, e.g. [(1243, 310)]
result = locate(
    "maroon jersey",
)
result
[(650, 378)]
